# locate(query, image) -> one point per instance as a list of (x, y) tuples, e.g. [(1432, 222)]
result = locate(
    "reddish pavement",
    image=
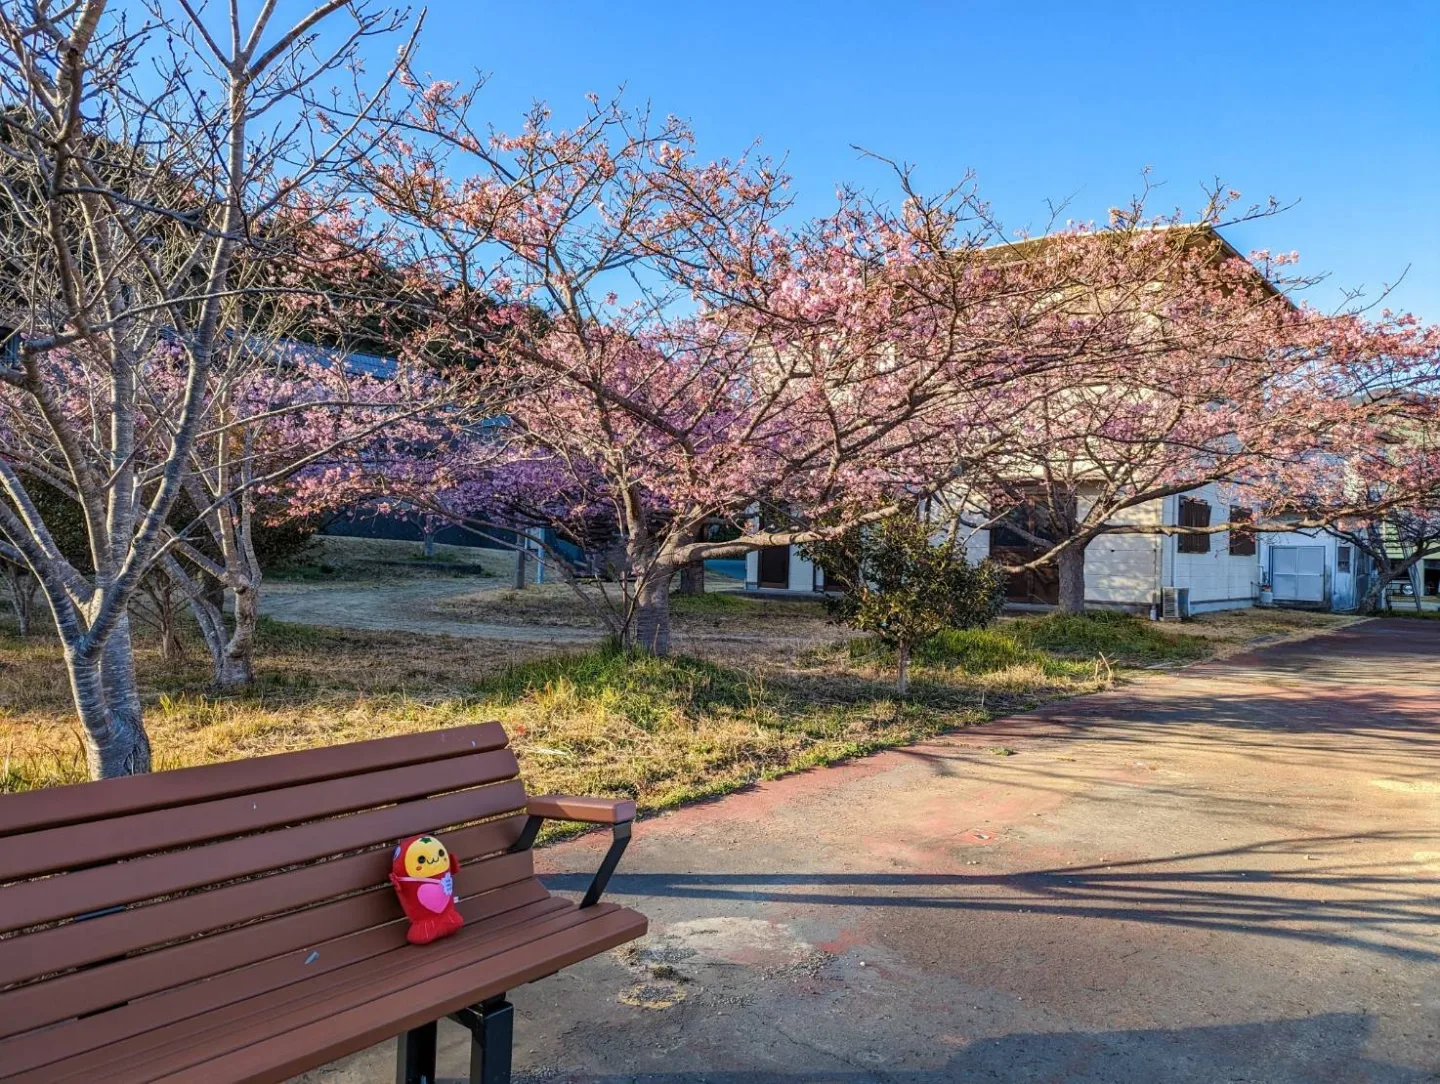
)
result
[(1228, 874)]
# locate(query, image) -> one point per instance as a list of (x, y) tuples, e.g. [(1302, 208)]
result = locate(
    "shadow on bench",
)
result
[(234, 922)]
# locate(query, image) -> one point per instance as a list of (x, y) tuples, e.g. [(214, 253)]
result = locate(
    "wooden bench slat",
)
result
[(29, 903), (233, 922), (506, 907), (78, 845), (80, 802), (151, 1034), (274, 1059), (75, 944), (298, 1002), (172, 1046), (97, 988)]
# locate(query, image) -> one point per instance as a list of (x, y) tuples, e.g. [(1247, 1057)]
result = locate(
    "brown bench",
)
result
[(234, 923)]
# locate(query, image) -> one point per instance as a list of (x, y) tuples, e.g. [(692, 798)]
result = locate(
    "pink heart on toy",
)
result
[(433, 896)]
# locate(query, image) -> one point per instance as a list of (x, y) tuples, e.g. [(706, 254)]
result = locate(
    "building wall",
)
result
[(1341, 588), (1124, 569), (804, 576), (1218, 579)]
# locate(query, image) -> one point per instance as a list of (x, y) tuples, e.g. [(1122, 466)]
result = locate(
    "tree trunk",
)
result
[(1071, 561), (232, 653), (652, 613), (22, 595), (108, 701), (1371, 603), (211, 619), (902, 676), (520, 569), (160, 591), (429, 543), (235, 668), (692, 579)]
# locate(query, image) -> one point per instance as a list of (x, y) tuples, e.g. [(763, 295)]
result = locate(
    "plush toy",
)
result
[(423, 873)]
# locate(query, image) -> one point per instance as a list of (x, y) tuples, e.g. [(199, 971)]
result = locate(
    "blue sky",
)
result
[(1334, 104)]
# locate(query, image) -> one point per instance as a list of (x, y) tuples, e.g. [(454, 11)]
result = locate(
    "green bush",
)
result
[(905, 586)]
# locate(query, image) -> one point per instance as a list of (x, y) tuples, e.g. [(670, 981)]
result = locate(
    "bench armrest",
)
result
[(618, 813), (565, 807)]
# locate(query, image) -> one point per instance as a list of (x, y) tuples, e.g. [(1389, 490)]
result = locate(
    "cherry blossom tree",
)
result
[(1197, 368), (279, 409), (1377, 486), (140, 153), (680, 356)]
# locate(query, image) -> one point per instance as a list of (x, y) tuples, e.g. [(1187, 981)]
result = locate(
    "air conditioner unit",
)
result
[(1175, 604)]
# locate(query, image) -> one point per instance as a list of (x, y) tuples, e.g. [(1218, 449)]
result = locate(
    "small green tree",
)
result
[(904, 586)]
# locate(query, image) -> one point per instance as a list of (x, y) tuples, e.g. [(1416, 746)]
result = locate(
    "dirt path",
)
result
[(1228, 874)]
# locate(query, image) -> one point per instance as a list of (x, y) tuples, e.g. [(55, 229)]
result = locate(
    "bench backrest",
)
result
[(115, 890)]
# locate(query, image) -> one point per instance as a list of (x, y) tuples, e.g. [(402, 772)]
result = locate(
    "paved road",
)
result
[(1228, 874)]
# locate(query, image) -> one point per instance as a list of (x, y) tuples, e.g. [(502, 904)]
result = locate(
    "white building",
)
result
[(1219, 570), (1312, 569)]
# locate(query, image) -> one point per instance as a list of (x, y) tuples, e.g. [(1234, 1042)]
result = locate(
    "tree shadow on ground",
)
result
[(1325, 1047), (1225, 889)]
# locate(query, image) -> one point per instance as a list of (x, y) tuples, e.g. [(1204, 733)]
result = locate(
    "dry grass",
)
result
[(545, 605), (336, 559), (556, 604), (663, 731), (315, 687), (660, 730)]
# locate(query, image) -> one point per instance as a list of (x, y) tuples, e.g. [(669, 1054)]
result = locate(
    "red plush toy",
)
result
[(423, 873)]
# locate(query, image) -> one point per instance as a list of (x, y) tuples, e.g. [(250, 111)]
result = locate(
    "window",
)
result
[(1242, 538), (1194, 513), (1342, 559)]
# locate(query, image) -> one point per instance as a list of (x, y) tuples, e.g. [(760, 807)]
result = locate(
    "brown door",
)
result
[(1035, 585), (1016, 540), (775, 567)]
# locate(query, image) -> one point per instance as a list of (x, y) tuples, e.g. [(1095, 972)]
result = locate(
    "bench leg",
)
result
[(492, 1033), (415, 1056)]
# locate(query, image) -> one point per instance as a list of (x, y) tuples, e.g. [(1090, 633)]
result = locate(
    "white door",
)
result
[(1297, 573)]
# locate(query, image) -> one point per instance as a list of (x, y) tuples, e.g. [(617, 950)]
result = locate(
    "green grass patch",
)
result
[(1055, 645), (644, 689), (1120, 637), (711, 602), (671, 730), (978, 651)]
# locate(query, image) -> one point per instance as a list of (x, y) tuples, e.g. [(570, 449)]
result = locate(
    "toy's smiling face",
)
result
[(427, 857)]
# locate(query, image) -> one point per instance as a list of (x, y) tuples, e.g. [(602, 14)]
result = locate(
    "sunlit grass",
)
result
[(662, 731)]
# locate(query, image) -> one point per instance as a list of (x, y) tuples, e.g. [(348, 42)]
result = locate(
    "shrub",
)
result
[(906, 587)]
